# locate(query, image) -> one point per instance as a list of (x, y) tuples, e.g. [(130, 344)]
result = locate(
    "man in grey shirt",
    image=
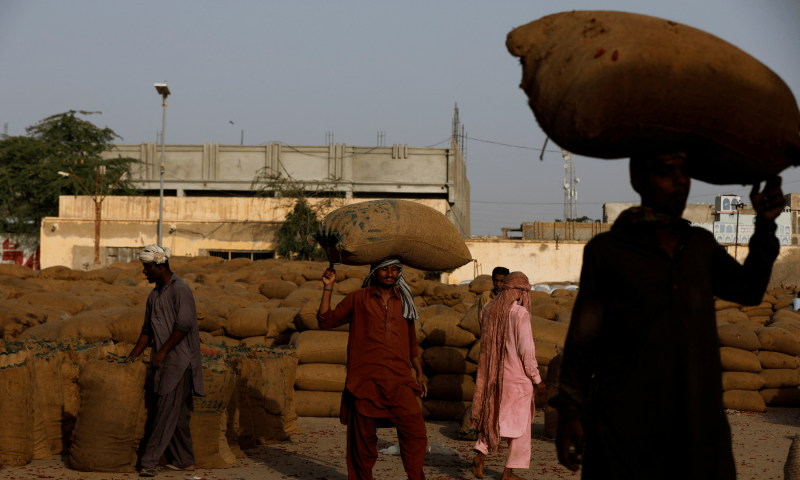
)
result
[(170, 320)]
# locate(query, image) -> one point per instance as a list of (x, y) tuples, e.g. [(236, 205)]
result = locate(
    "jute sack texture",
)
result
[(16, 403), (738, 336), (735, 360), (693, 91), (207, 414), (744, 400), (105, 439), (366, 233), (319, 346), (448, 360), (742, 381), (317, 404), (321, 377)]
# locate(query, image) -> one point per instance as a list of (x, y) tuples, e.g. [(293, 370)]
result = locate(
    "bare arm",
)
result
[(143, 342), (328, 281)]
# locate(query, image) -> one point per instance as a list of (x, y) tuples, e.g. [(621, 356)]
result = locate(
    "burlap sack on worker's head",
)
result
[(681, 80), (369, 232), (105, 436)]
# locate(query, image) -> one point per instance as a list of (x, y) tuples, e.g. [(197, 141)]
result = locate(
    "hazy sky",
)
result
[(290, 71)]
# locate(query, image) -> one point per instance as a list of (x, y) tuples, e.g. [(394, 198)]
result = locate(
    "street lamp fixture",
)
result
[(162, 90)]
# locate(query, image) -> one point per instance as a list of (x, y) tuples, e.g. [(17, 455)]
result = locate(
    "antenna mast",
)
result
[(570, 187)]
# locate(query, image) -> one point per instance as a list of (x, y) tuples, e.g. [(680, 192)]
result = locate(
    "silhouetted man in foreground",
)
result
[(644, 326)]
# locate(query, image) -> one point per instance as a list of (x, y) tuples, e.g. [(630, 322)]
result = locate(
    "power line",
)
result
[(513, 146)]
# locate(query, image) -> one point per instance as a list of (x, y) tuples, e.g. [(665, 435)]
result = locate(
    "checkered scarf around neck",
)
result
[(643, 215), (489, 384), (155, 254), (409, 309)]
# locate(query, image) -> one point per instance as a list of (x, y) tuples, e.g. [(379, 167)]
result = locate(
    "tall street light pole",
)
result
[(163, 90)]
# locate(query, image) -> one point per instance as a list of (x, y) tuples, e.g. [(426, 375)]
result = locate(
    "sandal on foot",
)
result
[(148, 472)]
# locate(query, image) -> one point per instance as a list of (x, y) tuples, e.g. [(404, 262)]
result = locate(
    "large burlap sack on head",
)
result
[(317, 404), (742, 381), (321, 377), (444, 331), (778, 340), (780, 378), (743, 400), (738, 336), (105, 436), (16, 404), (320, 346), (447, 386), (735, 360), (366, 233), (781, 397), (549, 331), (445, 409), (207, 414), (448, 360), (693, 91)]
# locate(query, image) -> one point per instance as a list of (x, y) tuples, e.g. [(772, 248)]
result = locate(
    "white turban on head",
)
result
[(155, 254)]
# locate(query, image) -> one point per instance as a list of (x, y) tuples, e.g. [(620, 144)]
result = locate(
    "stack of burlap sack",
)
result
[(79, 399), (759, 352)]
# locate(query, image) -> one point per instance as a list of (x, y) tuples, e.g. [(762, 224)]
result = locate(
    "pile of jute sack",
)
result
[(79, 398), (759, 350)]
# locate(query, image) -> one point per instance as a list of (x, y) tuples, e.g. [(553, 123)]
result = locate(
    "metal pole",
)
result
[(161, 191)]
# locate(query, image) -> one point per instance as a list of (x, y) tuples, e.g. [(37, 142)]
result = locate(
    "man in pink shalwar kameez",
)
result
[(507, 373)]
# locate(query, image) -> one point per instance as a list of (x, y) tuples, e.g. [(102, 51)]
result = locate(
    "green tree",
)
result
[(29, 180), (309, 201)]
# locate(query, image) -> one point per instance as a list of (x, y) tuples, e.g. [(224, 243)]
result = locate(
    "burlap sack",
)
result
[(760, 306), (759, 312), (738, 336), (105, 275), (535, 302), (445, 409), (735, 360), (205, 260), (416, 283), (208, 411), (59, 301), (59, 272), (105, 303), (48, 365), (471, 321), (368, 232), (321, 377), (348, 286), (778, 340), (105, 439), (293, 276), (781, 397), (16, 403), (481, 284), (790, 327), (545, 352), (226, 341), (548, 311), (306, 318), (447, 386), (786, 315), (318, 346), (549, 331), (780, 378), (474, 354), (742, 381), (444, 295), (18, 271), (448, 360), (437, 310), (743, 400), (317, 404), (128, 327), (682, 81), (279, 290), (444, 331), (251, 322)]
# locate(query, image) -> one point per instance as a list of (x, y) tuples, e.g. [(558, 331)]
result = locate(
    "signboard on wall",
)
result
[(21, 250)]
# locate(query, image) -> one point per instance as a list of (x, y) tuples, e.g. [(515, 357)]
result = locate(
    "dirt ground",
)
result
[(760, 441)]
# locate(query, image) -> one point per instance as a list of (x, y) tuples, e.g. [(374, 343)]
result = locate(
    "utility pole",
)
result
[(242, 137), (163, 90), (97, 198), (570, 187)]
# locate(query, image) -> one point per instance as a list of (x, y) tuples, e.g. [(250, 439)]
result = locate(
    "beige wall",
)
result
[(192, 225)]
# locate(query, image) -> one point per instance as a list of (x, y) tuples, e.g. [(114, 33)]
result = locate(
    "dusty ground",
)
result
[(761, 442)]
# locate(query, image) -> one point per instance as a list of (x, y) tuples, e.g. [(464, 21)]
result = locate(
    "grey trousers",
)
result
[(171, 426)]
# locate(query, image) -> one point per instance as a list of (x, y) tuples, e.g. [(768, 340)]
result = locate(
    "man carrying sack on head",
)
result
[(380, 390), (641, 373), (507, 375), (170, 320)]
